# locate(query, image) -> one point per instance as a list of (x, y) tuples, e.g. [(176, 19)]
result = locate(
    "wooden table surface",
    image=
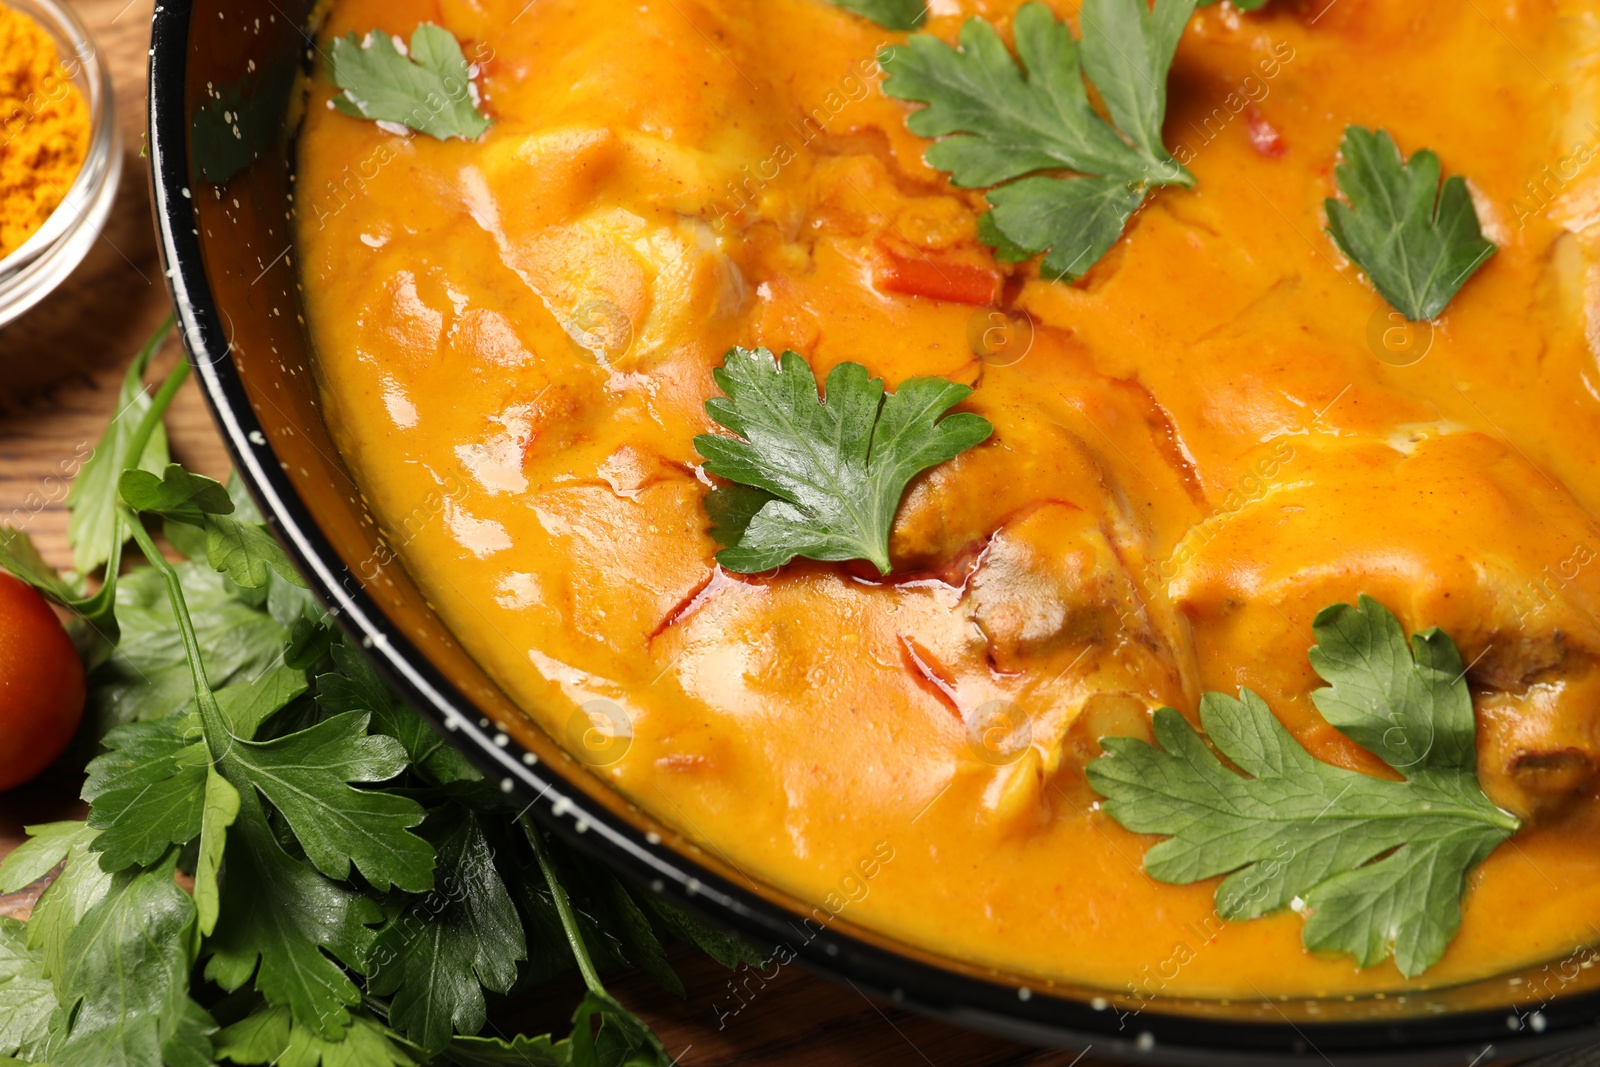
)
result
[(59, 371)]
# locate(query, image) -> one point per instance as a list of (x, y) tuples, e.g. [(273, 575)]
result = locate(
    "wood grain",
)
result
[(60, 367)]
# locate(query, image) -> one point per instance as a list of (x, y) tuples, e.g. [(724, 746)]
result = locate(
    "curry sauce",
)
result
[(1218, 431)]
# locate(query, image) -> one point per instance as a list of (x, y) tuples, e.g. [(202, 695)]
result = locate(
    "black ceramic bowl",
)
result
[(221, 147)]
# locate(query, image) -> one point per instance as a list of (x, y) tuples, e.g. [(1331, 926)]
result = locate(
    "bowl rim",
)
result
[(1041, 1017), (35, 268)]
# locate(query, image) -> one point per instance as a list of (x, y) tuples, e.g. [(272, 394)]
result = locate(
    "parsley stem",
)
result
[(210, 713), (99, 612), (158, 403), (569, 921)]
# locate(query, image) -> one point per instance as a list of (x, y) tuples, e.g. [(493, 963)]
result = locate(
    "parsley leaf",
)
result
[(357, 687), (1127, 48), (260, 1037), (80, 886), (272, 1036), (430, 91), (149, 675), (92, 499), (436, 958), (279, 911), (617, 921), (521, 1051), (148, 792), (833, 471), (246, 705), (242, 550), (890, 14), (550, 952), (633, 928), (27, 1001), (273, 908), (1002, 118), (20, 556), (621, 1038), (1380, 865), (156, 787), (186, 1042), (730, 508), (726, 949), (246, 553), (306, 774), (175, 493), (47, 845), (1083, 218), (220, 807), (125, 983), (94, 622), (1418, 241)]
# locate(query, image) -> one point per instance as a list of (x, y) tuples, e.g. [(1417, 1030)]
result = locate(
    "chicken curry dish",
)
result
[(1101, 491)]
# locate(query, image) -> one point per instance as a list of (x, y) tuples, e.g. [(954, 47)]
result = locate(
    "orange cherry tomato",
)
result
[(41, 684)]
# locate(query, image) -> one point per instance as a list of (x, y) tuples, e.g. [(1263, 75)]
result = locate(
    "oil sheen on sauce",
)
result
[(1217, 432)]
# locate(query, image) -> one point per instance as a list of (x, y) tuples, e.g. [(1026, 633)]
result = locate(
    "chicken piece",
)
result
[(976, 691), (1539, 750), (1523, 604), (1060, 612), (1053, 579)]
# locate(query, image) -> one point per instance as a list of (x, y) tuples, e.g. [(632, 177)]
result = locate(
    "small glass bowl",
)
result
[(46, 259)]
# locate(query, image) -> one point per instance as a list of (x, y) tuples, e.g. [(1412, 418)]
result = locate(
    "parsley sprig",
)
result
[(430, 90), (1418, 241), (821, 477), (890, 14), (361, 896), (1000, 119), (1378, 867)]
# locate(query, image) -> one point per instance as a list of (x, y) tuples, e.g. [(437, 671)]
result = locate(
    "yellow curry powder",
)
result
[(44, 128)]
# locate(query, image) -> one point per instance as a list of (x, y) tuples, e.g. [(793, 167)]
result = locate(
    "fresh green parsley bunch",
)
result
[(361, 896)]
